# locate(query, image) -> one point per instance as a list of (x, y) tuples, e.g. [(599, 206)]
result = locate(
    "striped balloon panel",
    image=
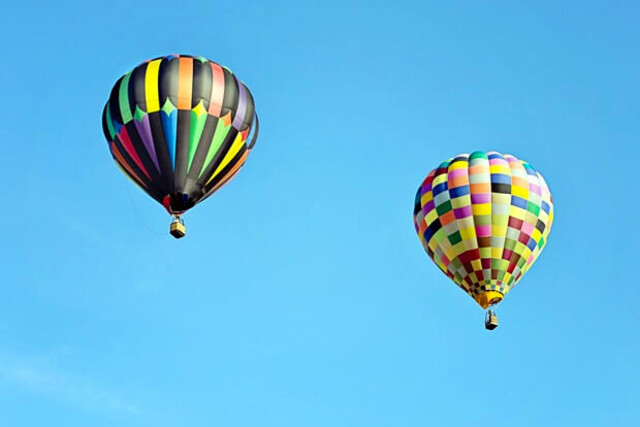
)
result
[(180, 127), (483, 219)]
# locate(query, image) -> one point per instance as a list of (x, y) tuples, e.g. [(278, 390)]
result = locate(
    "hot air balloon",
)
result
[(483, 219), (180, 127)]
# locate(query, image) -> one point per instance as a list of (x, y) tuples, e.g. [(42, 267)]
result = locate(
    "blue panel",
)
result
[(546, 207), (519, 202), (439, 188), (459, 191), (170, 125), (500, 178)]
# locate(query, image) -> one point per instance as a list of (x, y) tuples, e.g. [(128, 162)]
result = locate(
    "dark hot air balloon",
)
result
[(180, 127)]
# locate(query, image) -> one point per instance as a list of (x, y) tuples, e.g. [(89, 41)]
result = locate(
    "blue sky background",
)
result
[(301, 295)]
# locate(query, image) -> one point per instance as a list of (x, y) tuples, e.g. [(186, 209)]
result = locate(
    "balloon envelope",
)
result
[(483, 219), (180, 127)]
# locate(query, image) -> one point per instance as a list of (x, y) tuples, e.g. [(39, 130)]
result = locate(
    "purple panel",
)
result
[(144, 130), (241, 111)]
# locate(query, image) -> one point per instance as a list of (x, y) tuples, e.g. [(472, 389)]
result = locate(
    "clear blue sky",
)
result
[(301, 295)]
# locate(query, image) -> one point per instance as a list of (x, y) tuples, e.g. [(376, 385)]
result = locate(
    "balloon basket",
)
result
[(491, 320), (177, 228)]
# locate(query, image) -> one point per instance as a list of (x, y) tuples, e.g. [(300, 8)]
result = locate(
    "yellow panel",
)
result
[(498, 230), (439, 180), (517, 212), (151, 86), (431, 217), (450, 253), (458, 165), (426, 198), (520, 191), (481, 209), (503, 169), (433, 243), (460, 202), (238, 143), (468, 233), (496, 253), (536, 235)]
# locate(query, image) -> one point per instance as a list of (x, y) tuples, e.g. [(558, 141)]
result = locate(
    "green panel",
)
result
[(458, 279), (445, 164), (125, 108), (478, 155), (482, 219), (533, 208), (455, 238), (139, 114), (112, 131), (168, 107), (444, 208), (197, 126), (509, 244), (499, 264), (456, 263), (218, 136)]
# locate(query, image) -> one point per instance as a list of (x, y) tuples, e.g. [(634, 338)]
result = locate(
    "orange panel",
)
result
[(185, 83), (481, 188)]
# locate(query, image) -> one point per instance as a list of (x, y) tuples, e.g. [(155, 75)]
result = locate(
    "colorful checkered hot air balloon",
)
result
[(484, 219), (180, 127)]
